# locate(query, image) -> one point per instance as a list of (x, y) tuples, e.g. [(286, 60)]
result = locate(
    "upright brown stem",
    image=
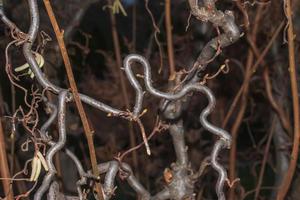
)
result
[(170, 39), (260, 57), (134, 12), (86, 127), (4, 168), (244, 94), (293, 76), (13, 109), (122, 81), (237, 123), (264, 161), (277, 108)]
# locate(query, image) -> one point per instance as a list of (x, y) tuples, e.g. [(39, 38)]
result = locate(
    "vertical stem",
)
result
[(86, 126), (134, 28), (122, 81), (13, 98), (265, 157), (170, 39), (293, 76), (50, 97), (244, 95), (238, 121), (4, 169), (12, 136), (177, 133), (243, 92)]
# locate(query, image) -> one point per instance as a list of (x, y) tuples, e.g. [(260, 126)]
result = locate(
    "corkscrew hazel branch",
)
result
[(34, 26), (27, 51), (62, 99), (225, 138), (219, 145), (208, 12), (225, 20), (112, 168), (47, 84), (188, 88), (177, 133), (52, 109), (44, 135)]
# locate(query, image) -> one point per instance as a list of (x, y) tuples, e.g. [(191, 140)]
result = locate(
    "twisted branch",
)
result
[(181, 184)]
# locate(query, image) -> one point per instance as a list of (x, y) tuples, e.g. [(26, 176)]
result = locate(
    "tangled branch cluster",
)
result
[(180, 178)]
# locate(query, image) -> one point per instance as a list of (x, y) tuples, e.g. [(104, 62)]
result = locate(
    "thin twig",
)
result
[(255, 66), (264, 161), (293, 76), (4, 168), (122, 81), (170, 40), (86, 127), (156, 32), (278, 109), (244, 94)]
